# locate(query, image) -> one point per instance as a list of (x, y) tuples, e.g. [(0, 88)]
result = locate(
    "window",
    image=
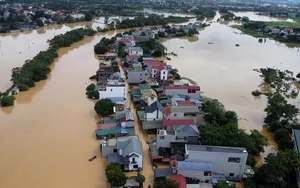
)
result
[(140, 74), (162, 137), (135, 166), (115, 150), (189, 91), (110, 89), (140, 78), (234, 160), (133, 160), (193, 90), (206, 173), (175, 115), (231, 174), (146, 74)]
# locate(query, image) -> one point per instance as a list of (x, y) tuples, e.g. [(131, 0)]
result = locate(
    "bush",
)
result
[(92, 94), (7, 101), (256, 93), (91, 87), (104, 107), (23, 87), (92, 77)]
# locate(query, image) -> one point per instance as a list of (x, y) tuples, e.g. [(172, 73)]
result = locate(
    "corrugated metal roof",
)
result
[(195, 166), (180, 179), (166, 122)]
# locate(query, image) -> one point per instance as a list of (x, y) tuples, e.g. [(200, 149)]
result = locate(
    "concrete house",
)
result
[(191, 91), (113, 89), (126, 118), (166, 138), (147, 92), (199, 170), (180, 112), (227, 161), (157, 69), (154, 112), (127, 151), (136, 77), (135, 51)]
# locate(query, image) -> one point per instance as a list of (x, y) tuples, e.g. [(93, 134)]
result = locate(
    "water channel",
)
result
[(47, 137)]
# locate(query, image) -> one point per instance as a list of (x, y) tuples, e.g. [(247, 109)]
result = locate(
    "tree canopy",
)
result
[(7, 101), (104, 107), (163, 183), (115, 175)]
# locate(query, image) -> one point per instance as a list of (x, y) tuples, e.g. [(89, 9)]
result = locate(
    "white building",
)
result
[(114, 90), (154, 112), (135, 51), (227, 161)]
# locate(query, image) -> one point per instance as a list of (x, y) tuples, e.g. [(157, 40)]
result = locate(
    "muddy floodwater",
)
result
[(47, 137)]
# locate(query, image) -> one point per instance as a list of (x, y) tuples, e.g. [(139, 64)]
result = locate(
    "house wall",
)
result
[(193, 140), (136, 98), (164, 141), (194, 174), (138, 160), (134, 77), (175, 115), (107, 150), (156, 115), (151, 100), (134, 52), (164, 75), (220, 161), (118, 91), (129, 123), (182, 92)]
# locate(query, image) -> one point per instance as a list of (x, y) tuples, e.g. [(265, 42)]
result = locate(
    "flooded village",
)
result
[(153, 130)]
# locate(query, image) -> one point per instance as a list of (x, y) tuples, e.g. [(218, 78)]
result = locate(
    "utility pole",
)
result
[(1, 49), (29, 49)]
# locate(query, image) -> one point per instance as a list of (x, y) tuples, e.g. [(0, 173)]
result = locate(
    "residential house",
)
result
[(227, 161), (109, 146), (142, 38), (136, 77), (165, 138), (135, 51), (181, 112), (135, 94), (133, 57), (158, 69), (154, 111), (113, 89), (179, 179), (202, 171), (147, 92), (191, 91), (296, 140), (126, 118), (128, 152), (114, 131)]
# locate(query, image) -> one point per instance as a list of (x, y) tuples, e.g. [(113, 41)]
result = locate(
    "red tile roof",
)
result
[(166, 122), (185, 103), (106, 126), (182, 87), (180, 179)]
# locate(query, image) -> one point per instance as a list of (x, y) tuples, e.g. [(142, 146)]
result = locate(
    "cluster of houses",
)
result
[(168, 112)]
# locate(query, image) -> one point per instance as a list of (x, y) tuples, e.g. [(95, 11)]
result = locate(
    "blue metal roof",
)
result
[(195, 166), (135, 48)]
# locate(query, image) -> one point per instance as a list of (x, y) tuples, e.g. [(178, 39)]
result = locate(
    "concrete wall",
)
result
[(107, 150), (194, 174), (134, 77), (118, 91), (156, 115), (182, 92), (220, 161), (138, 160)]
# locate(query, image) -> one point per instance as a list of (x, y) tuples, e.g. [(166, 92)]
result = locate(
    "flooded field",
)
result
[(47, 137)]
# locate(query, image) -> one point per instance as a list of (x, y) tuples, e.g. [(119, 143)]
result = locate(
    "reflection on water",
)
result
[(255, 17)]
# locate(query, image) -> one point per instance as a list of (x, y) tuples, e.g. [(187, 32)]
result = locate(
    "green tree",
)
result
[(259, 140), (88, 16), (163, 183), (224, 184), (115, 175), (91, 87), (104, 107), (140, 178), (7, 101), (245, 19), (100, 49)]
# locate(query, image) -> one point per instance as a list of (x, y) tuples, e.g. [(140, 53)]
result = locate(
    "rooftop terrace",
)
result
[(216, 149)]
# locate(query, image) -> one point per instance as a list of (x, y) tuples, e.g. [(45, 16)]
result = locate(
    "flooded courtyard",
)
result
[(47, 137)]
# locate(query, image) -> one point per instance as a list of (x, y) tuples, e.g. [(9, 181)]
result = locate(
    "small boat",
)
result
[(93, 158)]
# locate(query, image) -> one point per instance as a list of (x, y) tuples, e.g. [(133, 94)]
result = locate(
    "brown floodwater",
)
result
[(47, 137)]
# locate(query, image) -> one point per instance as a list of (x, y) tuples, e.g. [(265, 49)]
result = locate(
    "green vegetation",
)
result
[(105, 45), (37, 69), (121, 50), (204, 12), (115, 175), (142, 21), (175, 74), (140, 178), (23, 87), (152, 47), (249, 31), (283, 24), (163, 183), (222, 130), (224, 184), (104, 107), (7, 101), (91, 92)]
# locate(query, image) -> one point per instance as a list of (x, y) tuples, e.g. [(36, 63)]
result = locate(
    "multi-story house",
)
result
[(137, 76), (113, 89), (191, 91), (154, 111), (227, 161), (181, 112), (166, 138), (127, 151), (135, 51), (158, 69)]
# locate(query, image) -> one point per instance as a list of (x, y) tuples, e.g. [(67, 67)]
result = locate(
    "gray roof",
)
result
[(216, 149), (114, 158), (192, 130), (154, 106), (129, 146), (185, 109), (125, 113), (195, 166), (162, 172), (131, 182)]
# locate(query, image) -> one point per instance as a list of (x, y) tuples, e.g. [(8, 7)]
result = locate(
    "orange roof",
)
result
[(180, 179)]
